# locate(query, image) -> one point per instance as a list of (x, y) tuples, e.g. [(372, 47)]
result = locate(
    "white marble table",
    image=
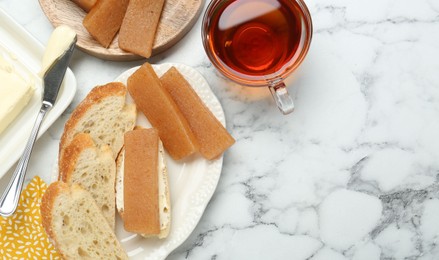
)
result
[(352, 173)]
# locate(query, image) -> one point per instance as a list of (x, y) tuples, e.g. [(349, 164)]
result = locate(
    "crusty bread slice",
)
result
[(164, 203), (76, 226), (94, 170), (104, 115)]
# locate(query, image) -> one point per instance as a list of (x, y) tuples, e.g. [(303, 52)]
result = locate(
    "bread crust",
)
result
[(77, 203), (67, 163), (70, 173), (47, 202), (95, 96)]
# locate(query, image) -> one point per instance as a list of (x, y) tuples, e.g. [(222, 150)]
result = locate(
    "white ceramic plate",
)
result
[(27, 52), (192, 182)]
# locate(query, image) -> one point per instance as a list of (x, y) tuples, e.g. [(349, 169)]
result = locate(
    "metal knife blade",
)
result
[(55, 74), (52, 82)]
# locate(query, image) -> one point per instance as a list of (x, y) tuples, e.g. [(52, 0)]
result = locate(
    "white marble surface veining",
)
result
[(352, 173)]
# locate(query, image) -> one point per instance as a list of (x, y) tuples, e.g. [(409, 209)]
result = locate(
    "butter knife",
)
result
[(52, 83)]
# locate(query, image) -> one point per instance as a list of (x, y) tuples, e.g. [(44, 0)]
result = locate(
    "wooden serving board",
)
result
[(178, 17)]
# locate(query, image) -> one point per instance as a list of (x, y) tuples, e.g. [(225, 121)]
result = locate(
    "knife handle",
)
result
[(10, 197)]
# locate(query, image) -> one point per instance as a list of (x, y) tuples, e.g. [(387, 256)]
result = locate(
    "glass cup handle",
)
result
[(283, 100)]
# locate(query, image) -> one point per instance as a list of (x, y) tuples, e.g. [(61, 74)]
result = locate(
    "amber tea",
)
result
[(256, 37), (258, 42)]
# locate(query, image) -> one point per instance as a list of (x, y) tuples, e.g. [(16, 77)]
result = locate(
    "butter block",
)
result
[(15, 93)]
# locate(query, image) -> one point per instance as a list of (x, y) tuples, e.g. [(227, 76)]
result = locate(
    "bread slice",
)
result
[(104, 20), (163, 191), (76, 226), (104, 115), (94, 170), (162, 112), (139, 26), (212, 136)]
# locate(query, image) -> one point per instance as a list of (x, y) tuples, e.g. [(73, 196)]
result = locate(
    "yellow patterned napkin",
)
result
[(22, 235)]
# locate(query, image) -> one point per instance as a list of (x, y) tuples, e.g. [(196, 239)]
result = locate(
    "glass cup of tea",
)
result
[(258, 42)]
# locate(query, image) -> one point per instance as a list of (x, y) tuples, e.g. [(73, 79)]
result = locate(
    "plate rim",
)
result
[(199, 199)]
